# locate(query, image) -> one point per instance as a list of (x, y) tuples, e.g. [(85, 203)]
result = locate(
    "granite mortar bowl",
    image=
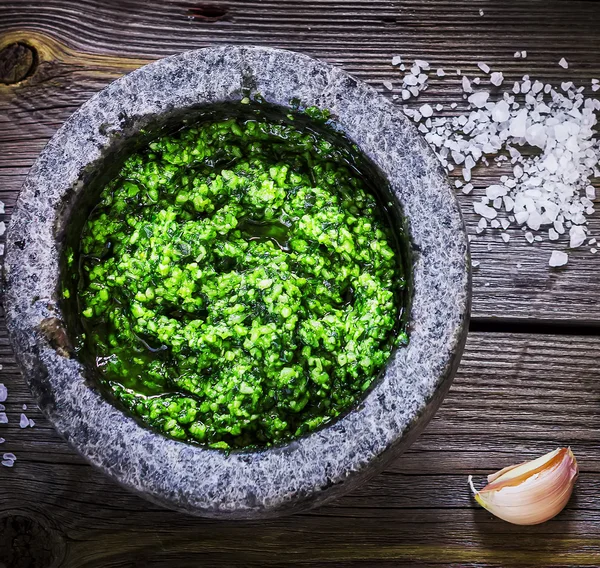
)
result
[(245, 484)]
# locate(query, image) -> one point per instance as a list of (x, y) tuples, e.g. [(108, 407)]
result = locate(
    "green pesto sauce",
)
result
[(238, 284)]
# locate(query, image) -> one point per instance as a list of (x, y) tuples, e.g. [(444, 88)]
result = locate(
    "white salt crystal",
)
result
[(517, 55), (479, 99), (2, 440), (495, 224), (592, 242), (577, 236), (563, 63), (590, 192), (426, 110), (453, 105), (2, 205), (518, 125), (500, 112), (24, 421), (24, 407), (484, 67), (481, 12), (523, 54), (31, 423), (414, 91), (505, 237), (521, 217), (496, 78), (595, 88), (529, 237), (3, 418), (422, 64), (2, 228), (485, 211), (505, 223), (3, 392), (439, 107), (558, 258), (593, 250), (405, 94), (552, 234), (410, 79), (466, 85), (494, 191), (477, 80), (468, 188), (396, 60), (388, 85), (536, 135), (440, 72)]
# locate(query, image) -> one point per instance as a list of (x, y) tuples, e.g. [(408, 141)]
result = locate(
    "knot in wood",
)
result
[(17, 62)]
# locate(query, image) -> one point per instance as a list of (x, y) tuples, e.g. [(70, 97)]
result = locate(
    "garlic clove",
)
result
[(532, 492)]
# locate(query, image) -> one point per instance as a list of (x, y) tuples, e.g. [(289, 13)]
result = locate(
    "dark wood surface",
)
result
[(529, 380)]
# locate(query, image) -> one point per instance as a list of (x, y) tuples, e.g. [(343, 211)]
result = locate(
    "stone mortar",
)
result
[(312, 469)]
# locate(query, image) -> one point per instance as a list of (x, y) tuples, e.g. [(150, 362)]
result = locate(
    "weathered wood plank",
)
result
[(515, 397), (84, 45)]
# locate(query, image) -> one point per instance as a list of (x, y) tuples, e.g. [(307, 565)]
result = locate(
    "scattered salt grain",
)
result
[(475, 263), (3, 418), (2, 228), (481, 12), (496, 78), (31, 423), (3, 392), (2, 440), (396, 60), (468, 188), (466, 85), (523, 54), (505, 237), (388, 85), (24, 407), (563, 63), (479, 99), (439, 107), (484, 210), (558, 258), (529, 237), (577, 236), (8, 459), (517, 55), (24, 421), (426, 111), (440, 72), (484, 67), (553, 235), (593, 250)]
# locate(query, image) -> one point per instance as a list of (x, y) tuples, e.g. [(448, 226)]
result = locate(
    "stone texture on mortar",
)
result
[(326, 463)]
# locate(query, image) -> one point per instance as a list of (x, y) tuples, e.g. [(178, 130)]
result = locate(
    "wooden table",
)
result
[(529, 380)]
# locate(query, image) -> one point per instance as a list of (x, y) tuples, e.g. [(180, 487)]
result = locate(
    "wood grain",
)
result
[(515, 397), (82, 46)]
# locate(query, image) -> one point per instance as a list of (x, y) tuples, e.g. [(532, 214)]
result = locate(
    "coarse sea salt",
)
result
[(3, 392), (558, 258), (549, 190)]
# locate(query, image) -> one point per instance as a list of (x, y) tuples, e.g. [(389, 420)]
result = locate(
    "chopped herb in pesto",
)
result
[(238, 284)]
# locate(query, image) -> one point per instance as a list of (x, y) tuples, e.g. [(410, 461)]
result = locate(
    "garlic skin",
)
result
[(532, 492)]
